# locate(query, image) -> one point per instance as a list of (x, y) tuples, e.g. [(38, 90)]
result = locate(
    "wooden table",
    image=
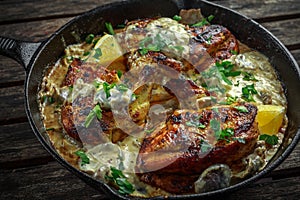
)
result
[(27, 171)]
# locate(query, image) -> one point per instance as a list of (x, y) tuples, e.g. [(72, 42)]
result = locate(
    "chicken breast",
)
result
[(191, 141)]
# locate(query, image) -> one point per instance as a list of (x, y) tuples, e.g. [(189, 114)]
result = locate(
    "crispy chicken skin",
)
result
[(178, 148), (88, 72)]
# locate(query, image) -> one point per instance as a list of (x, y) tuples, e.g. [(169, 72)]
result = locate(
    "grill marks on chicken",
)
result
[(190, 142)]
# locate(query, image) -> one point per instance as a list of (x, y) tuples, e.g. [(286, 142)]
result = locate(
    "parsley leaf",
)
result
[(249, 76), (204, 21), (242, 109), (205, 146), (269, 139), (177, 18), (247, 92), (95, 112), (84, 158), (109, 28), (120, 180), (89, 39)]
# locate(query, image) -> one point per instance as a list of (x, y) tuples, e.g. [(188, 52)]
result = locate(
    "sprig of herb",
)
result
[(84, 158), (89, 39), (205, 146), (226, 70), (95, 112), (247, 93), (98, 53), (107, 87), (109, 28), (195, 124), (269, 139), (248, 76), (205, 21), (177, 18), (118, 178), (242, 109)]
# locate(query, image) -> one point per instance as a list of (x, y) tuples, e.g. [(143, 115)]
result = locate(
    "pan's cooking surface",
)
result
[(267, 52)]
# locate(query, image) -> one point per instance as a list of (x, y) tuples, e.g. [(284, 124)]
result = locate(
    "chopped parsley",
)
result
[(225, 134), (107, 87), (226, 70), (98, 53), (247, 93), (89, 39), (229, 100), (205, 146), (204, 21), (234, 52), (109, 28), (248, 76), (119, 73), (242, 109), (269, 139), (84, 158), (118, 178), (177, 18), (49, 129), (195, 124), (95, 112), (48, 99)]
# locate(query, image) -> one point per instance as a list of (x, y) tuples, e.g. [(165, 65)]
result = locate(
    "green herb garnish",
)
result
[(49, 129), (95, 112), (234, 52), (205, 21), (119, 73), (195, 124), (226, 70), (225, 134), (247, 92), (249, 76), (269, 139), (241, 109), (98, 53), (118, 178), (177, 18), (109, 28), (89, 39), (107, 87), (84, 158), (205, 146)]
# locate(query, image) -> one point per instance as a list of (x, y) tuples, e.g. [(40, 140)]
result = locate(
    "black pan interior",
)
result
[(246, 30)]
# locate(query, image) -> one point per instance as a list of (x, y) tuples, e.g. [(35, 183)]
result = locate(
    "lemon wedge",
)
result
[(105, 51), (269, 118)]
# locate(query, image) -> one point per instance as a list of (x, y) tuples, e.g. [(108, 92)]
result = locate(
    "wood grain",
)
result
[(28, 171)]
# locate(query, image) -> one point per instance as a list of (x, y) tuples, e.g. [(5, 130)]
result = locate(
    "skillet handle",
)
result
[(20, 51)]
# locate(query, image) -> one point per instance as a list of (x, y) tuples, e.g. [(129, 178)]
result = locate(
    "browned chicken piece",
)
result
[(216, 40), (191, 141), (73, 117), (88, 72)]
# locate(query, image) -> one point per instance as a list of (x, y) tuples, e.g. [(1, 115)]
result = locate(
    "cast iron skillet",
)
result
[(35, 57)]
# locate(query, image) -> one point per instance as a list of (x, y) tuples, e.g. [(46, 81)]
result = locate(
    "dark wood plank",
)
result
[(264, 8), (31, 10), (16, 10), (287, 31), (36, 182), (58, 183), (12, 103), (19, 146)]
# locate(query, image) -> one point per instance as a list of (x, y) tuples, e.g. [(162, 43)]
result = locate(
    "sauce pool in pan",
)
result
[(164, 106)]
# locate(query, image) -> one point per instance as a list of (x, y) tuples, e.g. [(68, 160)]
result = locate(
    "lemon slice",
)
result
[(269, 118), (105, 51)]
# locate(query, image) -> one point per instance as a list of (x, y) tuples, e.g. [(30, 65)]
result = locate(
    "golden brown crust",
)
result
[(177, 149)]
